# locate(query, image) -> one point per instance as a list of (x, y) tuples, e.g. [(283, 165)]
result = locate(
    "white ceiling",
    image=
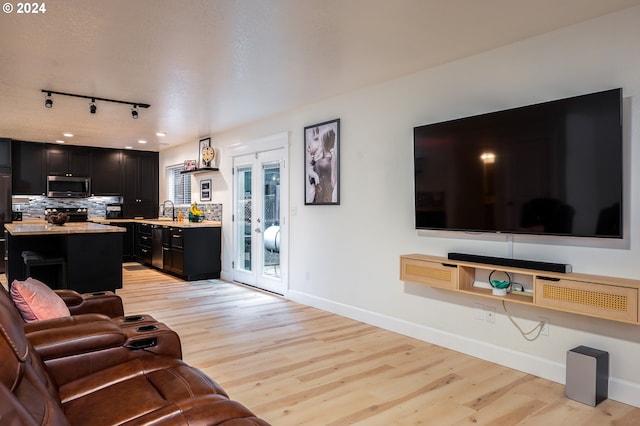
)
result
[(207, 66)]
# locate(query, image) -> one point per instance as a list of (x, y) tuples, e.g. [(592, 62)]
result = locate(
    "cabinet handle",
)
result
[(548, 278)]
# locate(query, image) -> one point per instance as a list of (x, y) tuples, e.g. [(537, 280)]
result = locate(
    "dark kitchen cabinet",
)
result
[(192, 253), (68, 161), (143, 242), (5, 155), (28, 168), (105, 177), (173, 250), (140, 184), (128, 240)]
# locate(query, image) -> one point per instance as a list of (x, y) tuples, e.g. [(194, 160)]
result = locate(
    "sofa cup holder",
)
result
[(99, 293), (142, 344), (150, 327), (133, 318)]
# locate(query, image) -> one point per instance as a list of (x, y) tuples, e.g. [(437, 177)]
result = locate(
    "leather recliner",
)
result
[(102, 302), (152, 389)]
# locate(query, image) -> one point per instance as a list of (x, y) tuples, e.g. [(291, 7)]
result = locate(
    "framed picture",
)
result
[(190, 165), (204, 143), (322, 163), (205, 190)]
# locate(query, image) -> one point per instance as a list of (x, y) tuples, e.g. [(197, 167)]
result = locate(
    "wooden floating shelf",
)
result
[(610, 298), (201, 170)]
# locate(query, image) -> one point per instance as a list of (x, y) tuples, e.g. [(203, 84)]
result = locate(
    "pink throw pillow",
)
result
[(36, 301)]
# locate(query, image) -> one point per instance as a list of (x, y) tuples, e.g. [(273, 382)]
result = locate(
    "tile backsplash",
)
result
[(211, 211), (32, 206)]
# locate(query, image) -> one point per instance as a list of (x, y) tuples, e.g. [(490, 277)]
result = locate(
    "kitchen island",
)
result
[(92, 252)]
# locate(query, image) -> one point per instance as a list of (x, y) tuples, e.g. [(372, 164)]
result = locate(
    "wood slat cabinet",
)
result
[(434, 274), (610, 298)]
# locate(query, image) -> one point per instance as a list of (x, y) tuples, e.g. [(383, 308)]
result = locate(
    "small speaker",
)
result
[(514, 263), (587, 375)]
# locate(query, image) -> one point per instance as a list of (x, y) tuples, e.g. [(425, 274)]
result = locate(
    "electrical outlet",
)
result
[(478, 311), (490, 314), (546, 326)]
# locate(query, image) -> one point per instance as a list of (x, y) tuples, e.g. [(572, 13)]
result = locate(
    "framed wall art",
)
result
[(204, 148), (205, 190), (322, 163)]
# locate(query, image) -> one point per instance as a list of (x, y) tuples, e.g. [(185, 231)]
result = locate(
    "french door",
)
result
[(260, 227)]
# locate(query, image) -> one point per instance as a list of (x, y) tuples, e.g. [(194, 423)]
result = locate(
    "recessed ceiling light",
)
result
[(59, 141), (68, 135), (142, 141), (128, 147), (161, 134)]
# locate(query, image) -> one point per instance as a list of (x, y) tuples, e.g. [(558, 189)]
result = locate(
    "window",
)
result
[(178, 185)]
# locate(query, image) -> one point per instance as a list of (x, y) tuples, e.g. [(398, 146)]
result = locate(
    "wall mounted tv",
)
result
[(553, 168)]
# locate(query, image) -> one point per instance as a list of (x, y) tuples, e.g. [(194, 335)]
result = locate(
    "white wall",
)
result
[(345, 258), (177, 155)]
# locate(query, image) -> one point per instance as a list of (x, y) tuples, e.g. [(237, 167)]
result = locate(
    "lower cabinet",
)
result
[(173, 250), (190, 253), (143, 252), (128, 240)]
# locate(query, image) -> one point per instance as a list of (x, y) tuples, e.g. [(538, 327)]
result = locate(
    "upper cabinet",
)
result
[(68, 161), (140, 184), (5, 155), (28, 172), (113, 172), (105, 164)]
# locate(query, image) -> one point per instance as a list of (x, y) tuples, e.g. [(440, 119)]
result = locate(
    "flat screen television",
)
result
[(553, 168)]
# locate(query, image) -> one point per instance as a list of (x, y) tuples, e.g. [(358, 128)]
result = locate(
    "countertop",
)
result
[(164, 222), (41, 227)]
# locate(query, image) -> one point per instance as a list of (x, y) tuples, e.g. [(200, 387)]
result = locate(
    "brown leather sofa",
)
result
[(78, 382), (102, 302)]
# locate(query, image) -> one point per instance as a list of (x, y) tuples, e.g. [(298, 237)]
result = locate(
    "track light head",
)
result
[(48, 103), (134, 112), (92, 106)]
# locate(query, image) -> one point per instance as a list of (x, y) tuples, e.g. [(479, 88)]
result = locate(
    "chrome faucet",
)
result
[(173, 209)]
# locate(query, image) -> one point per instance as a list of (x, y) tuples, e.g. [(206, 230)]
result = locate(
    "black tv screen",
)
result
[(552, 168)]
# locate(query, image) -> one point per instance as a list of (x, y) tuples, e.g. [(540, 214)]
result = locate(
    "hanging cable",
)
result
[(525, 334)]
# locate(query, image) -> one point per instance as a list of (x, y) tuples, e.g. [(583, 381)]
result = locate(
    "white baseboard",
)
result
[(619, 390)]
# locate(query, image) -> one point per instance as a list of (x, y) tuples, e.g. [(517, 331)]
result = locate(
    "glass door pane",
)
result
[(271, 215), (243, 218)]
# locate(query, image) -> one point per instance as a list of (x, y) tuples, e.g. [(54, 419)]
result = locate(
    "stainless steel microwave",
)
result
[(68, 187)]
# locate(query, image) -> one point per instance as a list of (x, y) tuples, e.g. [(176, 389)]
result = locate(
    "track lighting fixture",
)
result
[(92, 106)]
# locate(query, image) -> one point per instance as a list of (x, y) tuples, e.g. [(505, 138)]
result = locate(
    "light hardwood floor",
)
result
[(296, 365)]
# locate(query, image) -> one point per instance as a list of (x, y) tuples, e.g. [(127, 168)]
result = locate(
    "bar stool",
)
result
[(34, 259)]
